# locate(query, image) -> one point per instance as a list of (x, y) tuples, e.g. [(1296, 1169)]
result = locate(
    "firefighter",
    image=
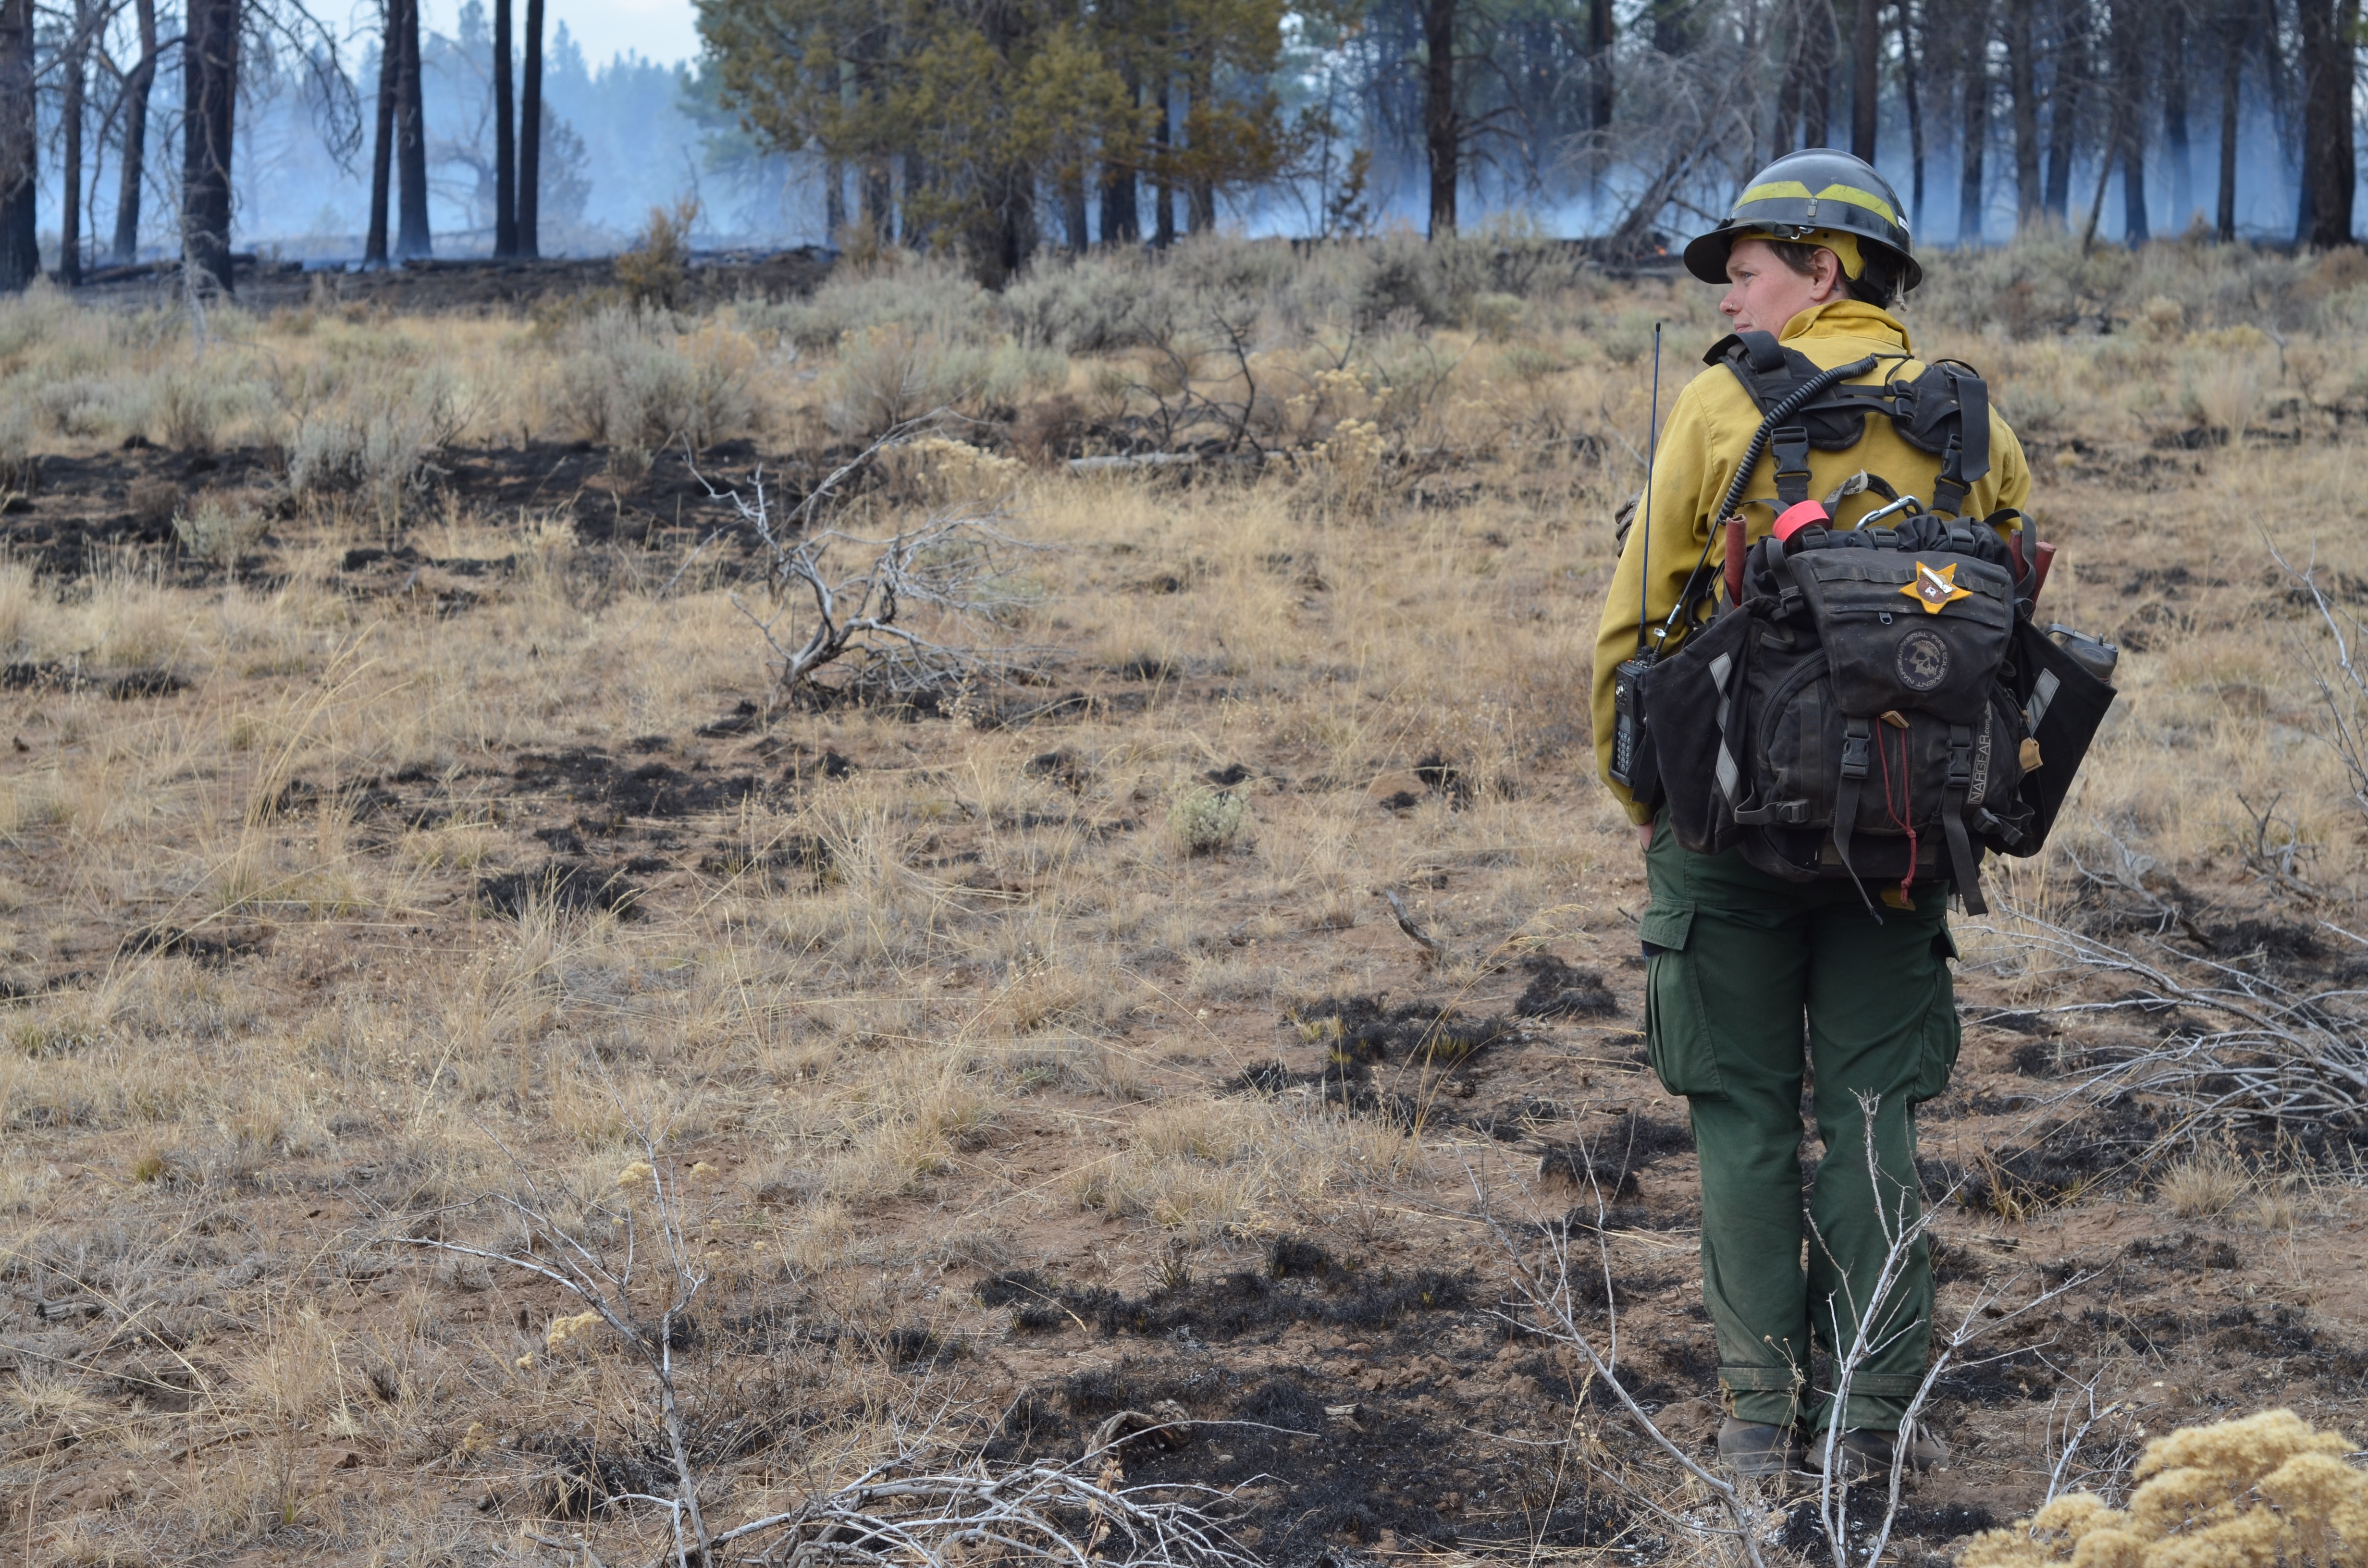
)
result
[(1755, 982)]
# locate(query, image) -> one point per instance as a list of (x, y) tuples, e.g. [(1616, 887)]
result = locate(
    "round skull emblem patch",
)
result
[(1922, 662)]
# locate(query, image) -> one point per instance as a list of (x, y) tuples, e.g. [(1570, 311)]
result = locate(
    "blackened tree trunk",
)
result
[(1788, 21), (1200, 190), (136, 88), (504, 138), (1866, 79), (21, 245), (389, 78), (74, 67), (1816, 73), (1016, 225), (2329, 28), (208, 98), (529, 156), (833, 198), (411, 237), (912, 234), (2173, 26), (1073, 210), (876, 201), (2070, 87), (1908, 82), (2233, 31), (1122, 218), (1442, 123), (1163, 150), (2030, 204), (1974, 107), (2130, 93), (1599, 81)]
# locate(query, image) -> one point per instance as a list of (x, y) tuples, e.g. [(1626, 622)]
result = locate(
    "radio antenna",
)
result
[(1645, 558)]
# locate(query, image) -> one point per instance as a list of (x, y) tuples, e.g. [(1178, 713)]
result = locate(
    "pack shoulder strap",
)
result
[(1944, 410), (1770, 372)]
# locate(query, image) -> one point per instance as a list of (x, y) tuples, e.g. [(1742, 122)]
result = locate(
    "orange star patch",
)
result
[(1935, 588)]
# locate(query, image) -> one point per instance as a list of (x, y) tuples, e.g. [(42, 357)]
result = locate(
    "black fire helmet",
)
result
[(1818, 187)]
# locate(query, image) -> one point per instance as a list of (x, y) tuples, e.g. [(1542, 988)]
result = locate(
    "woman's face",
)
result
[(1763, 293)]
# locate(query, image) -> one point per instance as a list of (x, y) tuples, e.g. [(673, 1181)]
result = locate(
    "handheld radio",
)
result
[(1631, 766)]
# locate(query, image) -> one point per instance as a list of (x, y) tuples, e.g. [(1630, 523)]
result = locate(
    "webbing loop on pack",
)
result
[(1953, 818), (1949, 489), (1791, 446), (1858, 735)]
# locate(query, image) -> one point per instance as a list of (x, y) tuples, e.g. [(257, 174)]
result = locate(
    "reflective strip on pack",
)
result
[(1729, 775), (2043, 692)]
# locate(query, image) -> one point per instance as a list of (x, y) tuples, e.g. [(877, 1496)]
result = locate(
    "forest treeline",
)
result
[(998, 128)]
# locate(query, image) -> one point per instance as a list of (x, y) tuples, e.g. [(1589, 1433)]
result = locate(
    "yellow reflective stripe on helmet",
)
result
[(1783, 189)]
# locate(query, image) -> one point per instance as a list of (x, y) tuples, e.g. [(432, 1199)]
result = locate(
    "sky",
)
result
[(662, 31)]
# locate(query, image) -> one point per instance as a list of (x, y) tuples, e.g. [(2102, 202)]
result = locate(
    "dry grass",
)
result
[(1000, 1028)]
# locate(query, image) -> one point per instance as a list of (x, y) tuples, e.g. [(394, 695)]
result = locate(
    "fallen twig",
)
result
[(1432, 948)]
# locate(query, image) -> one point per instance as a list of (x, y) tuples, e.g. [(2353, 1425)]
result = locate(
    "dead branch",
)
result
[(2239, 1042), (857, 593), (896, 1517), (605, 1287), (1558, 1307), (1878, 1323), (2337, 673), (1433, 950)]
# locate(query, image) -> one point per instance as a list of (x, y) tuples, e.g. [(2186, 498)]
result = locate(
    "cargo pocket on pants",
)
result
[(1941, 1033), (1677, 1024)]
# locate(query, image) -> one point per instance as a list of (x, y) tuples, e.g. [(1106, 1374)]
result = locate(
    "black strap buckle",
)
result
[(1961, 758), (1856, 737)]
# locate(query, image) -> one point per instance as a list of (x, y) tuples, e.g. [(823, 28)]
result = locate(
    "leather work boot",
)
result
[(1866, 1454), (1750, 1448)]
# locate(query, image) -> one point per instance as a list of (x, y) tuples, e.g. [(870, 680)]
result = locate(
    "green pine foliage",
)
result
[(981, 111)]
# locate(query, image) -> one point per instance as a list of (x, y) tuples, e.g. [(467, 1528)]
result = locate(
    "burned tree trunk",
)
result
[(530, 155), (1201, 189), (2070, 78), (208, 99), (136, 88), (1122, 218), (1908, 82), (1163, 157), (1442, 127), (21, 245), (1866, 79), (389, 73), (1974, 108), (2129, 118), (2233, 31), (2329, 168), (2029, 197), (1600, 81), (504, 138), (74, 63), (1817, 72), (1074, 225), (410, 142), (2174, 113)]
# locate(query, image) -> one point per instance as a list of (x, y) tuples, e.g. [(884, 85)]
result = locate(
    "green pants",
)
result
[(1752, 978)]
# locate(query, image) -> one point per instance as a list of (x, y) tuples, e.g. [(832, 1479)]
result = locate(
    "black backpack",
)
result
[(1877, 705)]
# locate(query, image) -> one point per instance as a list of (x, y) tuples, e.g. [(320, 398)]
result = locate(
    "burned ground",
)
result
[(389, 869)]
